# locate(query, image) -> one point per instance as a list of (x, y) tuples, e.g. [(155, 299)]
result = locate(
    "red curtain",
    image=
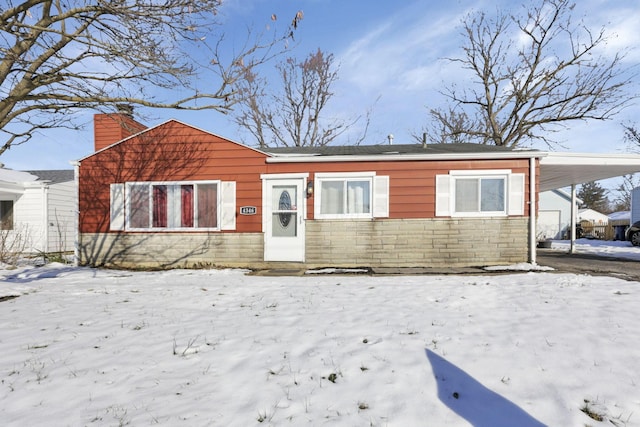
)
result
[(186, 199), (159, 206)]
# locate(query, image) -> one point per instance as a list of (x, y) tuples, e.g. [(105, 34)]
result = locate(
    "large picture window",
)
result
[(192, 205)]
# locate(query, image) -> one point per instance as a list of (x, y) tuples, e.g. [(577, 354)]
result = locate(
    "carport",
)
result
[(560, 170)]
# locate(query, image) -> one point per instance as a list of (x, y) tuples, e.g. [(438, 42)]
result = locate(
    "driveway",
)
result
[(622, 268)]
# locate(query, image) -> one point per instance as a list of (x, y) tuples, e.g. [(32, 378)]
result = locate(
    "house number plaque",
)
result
[(248, 210)]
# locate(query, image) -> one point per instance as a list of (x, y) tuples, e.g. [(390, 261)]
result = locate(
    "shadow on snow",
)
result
[(474, 402)]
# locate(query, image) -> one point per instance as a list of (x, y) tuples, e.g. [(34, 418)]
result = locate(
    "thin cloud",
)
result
[(397, 52)]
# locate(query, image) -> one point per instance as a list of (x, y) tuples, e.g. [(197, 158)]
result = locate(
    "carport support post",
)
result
[(572, 234)]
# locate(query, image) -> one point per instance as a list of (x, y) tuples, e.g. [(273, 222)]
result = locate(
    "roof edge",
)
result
[(407, 157), (589, 158)]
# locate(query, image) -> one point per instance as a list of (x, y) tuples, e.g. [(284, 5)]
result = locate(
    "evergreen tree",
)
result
[(594, 196)]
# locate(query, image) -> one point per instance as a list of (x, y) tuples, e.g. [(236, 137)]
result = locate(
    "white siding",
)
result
[(29, 217), (61, 217), (44, 217), (554, 201)]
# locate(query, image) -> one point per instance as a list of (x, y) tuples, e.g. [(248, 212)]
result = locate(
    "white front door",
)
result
[(283, 220)]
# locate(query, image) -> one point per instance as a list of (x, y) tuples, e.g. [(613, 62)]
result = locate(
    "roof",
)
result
[(165, 123), (620, 216), (12, 176), (385, 149), (558, 170), (54, 176), (389, 152)]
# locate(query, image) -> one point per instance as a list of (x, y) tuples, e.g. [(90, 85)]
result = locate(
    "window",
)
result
[(6, 214), (480, 193), (351, 195), (174, 206)]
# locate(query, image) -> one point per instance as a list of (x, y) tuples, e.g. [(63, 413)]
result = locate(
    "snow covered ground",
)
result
[(619, 249), (87, 347)]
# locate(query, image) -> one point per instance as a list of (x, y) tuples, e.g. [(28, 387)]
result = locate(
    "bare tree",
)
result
[(533, 75), (632, 137), (293, 117), (622, 193), (59, 56), (448, 126)]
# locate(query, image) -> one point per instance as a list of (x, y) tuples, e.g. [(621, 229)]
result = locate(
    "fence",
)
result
[(614, 230), (602, 232)]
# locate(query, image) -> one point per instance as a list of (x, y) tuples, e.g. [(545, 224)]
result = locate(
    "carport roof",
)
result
[(558, 170)]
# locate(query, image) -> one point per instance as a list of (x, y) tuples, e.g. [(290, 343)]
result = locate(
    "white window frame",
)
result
[(513, 193), (345, 177), (150, 184)]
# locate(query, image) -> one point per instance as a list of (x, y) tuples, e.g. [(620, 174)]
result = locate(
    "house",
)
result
[(620, 218), (593, 216), (37, 210), (620, 222), (554, 214), (174, 195)]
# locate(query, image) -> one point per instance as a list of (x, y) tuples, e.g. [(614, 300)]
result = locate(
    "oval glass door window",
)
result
[(284, 205)]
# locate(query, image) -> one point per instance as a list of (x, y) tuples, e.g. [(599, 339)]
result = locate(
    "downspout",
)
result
[(572, 235), (76, 220), (532, 210)]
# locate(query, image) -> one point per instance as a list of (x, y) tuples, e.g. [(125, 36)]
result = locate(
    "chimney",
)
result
[(111, 128)]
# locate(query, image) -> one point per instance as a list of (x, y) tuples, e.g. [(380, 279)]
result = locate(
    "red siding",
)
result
[(176, 152), (411, 183), (170, 152)]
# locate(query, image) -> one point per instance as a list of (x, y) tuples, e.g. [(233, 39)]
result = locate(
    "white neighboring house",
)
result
[(37, 210), (554, 214), (594, 217)]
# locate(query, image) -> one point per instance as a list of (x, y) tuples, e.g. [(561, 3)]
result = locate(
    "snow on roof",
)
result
[(617, 216), (9, 175)]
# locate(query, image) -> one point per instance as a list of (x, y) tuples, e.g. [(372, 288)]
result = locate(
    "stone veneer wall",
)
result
[(379, 243), (418, 242), (171, 250)]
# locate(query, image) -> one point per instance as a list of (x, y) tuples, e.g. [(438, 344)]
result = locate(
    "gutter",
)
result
[(13, 188)]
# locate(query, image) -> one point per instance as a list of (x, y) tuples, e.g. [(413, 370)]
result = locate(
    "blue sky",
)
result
[(390, 57)]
